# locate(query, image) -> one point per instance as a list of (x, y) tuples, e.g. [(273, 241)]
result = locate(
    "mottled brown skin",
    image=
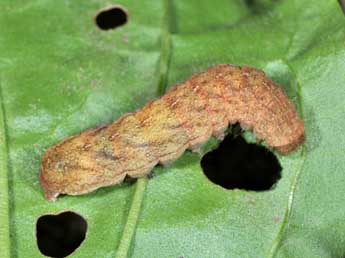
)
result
[(162, 130)]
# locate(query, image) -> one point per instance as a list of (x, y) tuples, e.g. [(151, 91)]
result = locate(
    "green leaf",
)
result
[(60, 74)]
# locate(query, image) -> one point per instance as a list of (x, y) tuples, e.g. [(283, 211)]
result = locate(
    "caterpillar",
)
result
[(184, 118)]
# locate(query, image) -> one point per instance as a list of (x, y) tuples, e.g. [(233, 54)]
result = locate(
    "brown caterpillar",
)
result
[(161, 131)]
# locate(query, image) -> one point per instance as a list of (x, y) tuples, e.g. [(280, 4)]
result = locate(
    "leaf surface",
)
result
[(60, 75)]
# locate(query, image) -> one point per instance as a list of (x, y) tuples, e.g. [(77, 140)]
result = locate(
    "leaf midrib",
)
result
[(128, 233)]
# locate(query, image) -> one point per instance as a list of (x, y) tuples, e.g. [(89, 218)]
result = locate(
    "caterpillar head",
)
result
[(273, 116)]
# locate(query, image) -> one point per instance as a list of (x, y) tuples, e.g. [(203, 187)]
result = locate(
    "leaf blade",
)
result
[(66, 84)]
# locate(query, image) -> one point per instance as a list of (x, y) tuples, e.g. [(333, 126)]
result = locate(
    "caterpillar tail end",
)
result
[(49, 195)]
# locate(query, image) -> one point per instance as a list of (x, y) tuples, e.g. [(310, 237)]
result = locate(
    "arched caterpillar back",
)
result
[(161, 131)]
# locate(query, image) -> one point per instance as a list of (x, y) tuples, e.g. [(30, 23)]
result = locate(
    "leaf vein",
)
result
[(4, 188), (283, 226), (163, 67)]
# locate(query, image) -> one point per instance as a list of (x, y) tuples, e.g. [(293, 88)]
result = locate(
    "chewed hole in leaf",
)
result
[(59, 235), (111, 18), (238, 164)]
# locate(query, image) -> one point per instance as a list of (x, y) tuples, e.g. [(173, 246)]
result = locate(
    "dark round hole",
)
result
[(59, 235), (238, 164), (111, 18)]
